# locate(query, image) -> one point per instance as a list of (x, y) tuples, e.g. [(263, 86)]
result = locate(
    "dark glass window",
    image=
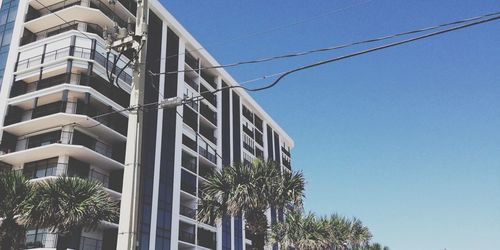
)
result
[(41, 168)]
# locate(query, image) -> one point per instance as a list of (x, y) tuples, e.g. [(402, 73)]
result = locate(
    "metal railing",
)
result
[(285, 151), (51, 169), (73, 25), (209, 156), (96, 4), (33, 14), (21, 87), (81, 52), (41, 240), (287, 163)]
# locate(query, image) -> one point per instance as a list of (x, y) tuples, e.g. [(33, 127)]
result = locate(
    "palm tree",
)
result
[(68, 205), (14, 191), (301, 232), (250, 190), (345, 233)]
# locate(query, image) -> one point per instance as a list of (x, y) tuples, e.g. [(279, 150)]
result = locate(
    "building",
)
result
[(53, 62)]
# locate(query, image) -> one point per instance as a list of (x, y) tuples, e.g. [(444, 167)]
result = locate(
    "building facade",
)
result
[(61, 116)]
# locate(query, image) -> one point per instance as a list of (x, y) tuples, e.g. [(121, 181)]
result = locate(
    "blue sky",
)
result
[(406, 139)]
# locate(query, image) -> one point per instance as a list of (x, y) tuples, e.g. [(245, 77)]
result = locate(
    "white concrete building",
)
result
[(54, 80)]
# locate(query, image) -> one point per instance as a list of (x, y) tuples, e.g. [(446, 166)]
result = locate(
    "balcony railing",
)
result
[(209, 156), (49, 169), (33, 14), (95, 4), (285, 151), (40, 240), (76, 138), (287, 163), (248, 147), (29, 37), (248, 131), (91, 143), (81, 52), (21, 87)]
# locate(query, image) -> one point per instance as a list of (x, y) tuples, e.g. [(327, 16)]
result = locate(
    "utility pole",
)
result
[(129, 208)]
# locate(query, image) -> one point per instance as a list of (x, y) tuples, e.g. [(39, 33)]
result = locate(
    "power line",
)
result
[(286, 73), (276, 28), (326, 49)]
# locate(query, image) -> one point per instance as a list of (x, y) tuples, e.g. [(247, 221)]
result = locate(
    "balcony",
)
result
[(19, 121), (74, 168), (207, 155), (189, 162), (211, 98), (248, 131), (208, 113), (259, 138), (209, 78), (188, 183), (190, 118), (90, 10), (248, 147), (208, 133), (207, 238), (191, 60), (258, 123), (190, 143), (79, 52), (29, 37), (247, 113), (55, 143), (286, 151), (43, 239), (190, 79), (286, 162), (21, 87), (206, 171)]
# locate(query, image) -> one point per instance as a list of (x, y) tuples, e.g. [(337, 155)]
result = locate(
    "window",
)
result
[(42, 168)]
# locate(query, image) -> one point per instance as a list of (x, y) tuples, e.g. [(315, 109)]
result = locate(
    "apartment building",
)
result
[(56, 107)]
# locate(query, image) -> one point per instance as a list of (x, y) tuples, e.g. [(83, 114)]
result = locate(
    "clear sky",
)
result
[(407, 139)]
